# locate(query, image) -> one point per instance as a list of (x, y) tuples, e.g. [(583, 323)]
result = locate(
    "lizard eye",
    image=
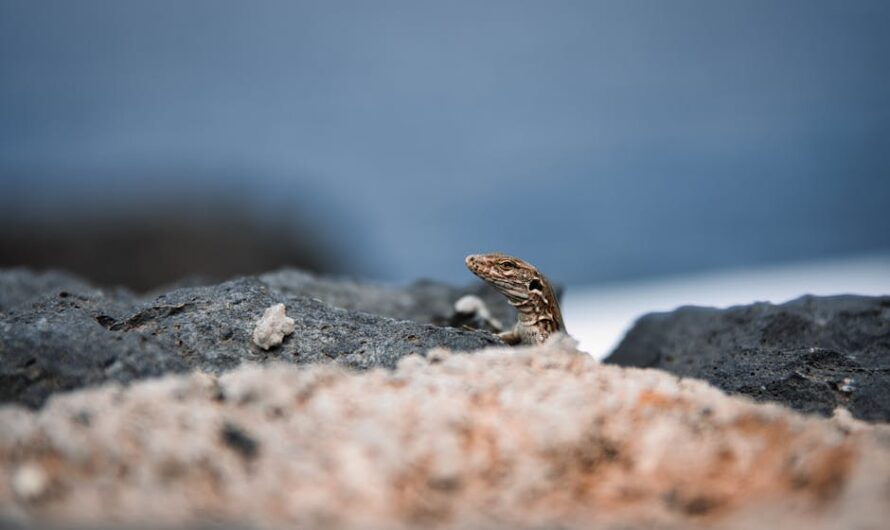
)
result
[(535, 285), (507, 265)]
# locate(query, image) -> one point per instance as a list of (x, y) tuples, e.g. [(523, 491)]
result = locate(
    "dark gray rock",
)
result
[(59, 342), (20, 287), (812, 354), (59, 333), (423, 301), (210, 327)]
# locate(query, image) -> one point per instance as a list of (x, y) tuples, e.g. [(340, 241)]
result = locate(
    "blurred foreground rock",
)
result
[(57, 332), (812, 354), (541, 437)]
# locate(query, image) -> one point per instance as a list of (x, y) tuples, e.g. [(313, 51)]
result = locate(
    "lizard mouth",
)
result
[(472, 262)]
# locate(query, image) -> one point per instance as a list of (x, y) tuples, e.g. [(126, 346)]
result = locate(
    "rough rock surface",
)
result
[(423, 301), (19, 287), (812, 354), (60, 333), (539, 437)]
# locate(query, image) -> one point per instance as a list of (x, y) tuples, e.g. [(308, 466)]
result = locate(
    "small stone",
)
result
[(273, 327), (472, 310), (239, 441), (472, 304), (30, 482)]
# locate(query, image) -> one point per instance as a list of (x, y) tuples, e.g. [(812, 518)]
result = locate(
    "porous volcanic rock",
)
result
[(20, 287), (528, 438), (52, 339), (423, 301), (812, 354), (60, 333)]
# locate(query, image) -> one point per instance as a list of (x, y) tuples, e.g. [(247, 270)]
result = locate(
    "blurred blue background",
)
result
[(602, 141)]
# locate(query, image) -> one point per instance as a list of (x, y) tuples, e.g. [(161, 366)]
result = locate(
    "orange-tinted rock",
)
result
[(504, 438)]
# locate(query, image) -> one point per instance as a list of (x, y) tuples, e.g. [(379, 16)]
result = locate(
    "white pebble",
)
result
[(30, 481), (271, 329)]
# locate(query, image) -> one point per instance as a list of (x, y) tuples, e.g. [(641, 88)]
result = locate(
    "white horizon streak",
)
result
[(599, 316)]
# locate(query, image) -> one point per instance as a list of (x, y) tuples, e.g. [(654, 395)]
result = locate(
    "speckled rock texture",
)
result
[(423, 301), (538, 437), (812, 354), (60, 333)]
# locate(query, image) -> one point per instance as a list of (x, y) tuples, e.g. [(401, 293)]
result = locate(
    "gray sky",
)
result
[(600, 140)]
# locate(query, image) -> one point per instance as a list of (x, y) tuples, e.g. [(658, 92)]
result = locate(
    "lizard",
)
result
[(527, 290)]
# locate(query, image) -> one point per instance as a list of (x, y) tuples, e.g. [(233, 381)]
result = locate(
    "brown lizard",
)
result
[(527, 290)]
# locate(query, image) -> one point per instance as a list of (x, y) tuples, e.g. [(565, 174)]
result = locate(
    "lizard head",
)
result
[(516, 279)]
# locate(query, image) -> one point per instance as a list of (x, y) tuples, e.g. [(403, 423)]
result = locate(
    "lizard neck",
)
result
[(540, 310)]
